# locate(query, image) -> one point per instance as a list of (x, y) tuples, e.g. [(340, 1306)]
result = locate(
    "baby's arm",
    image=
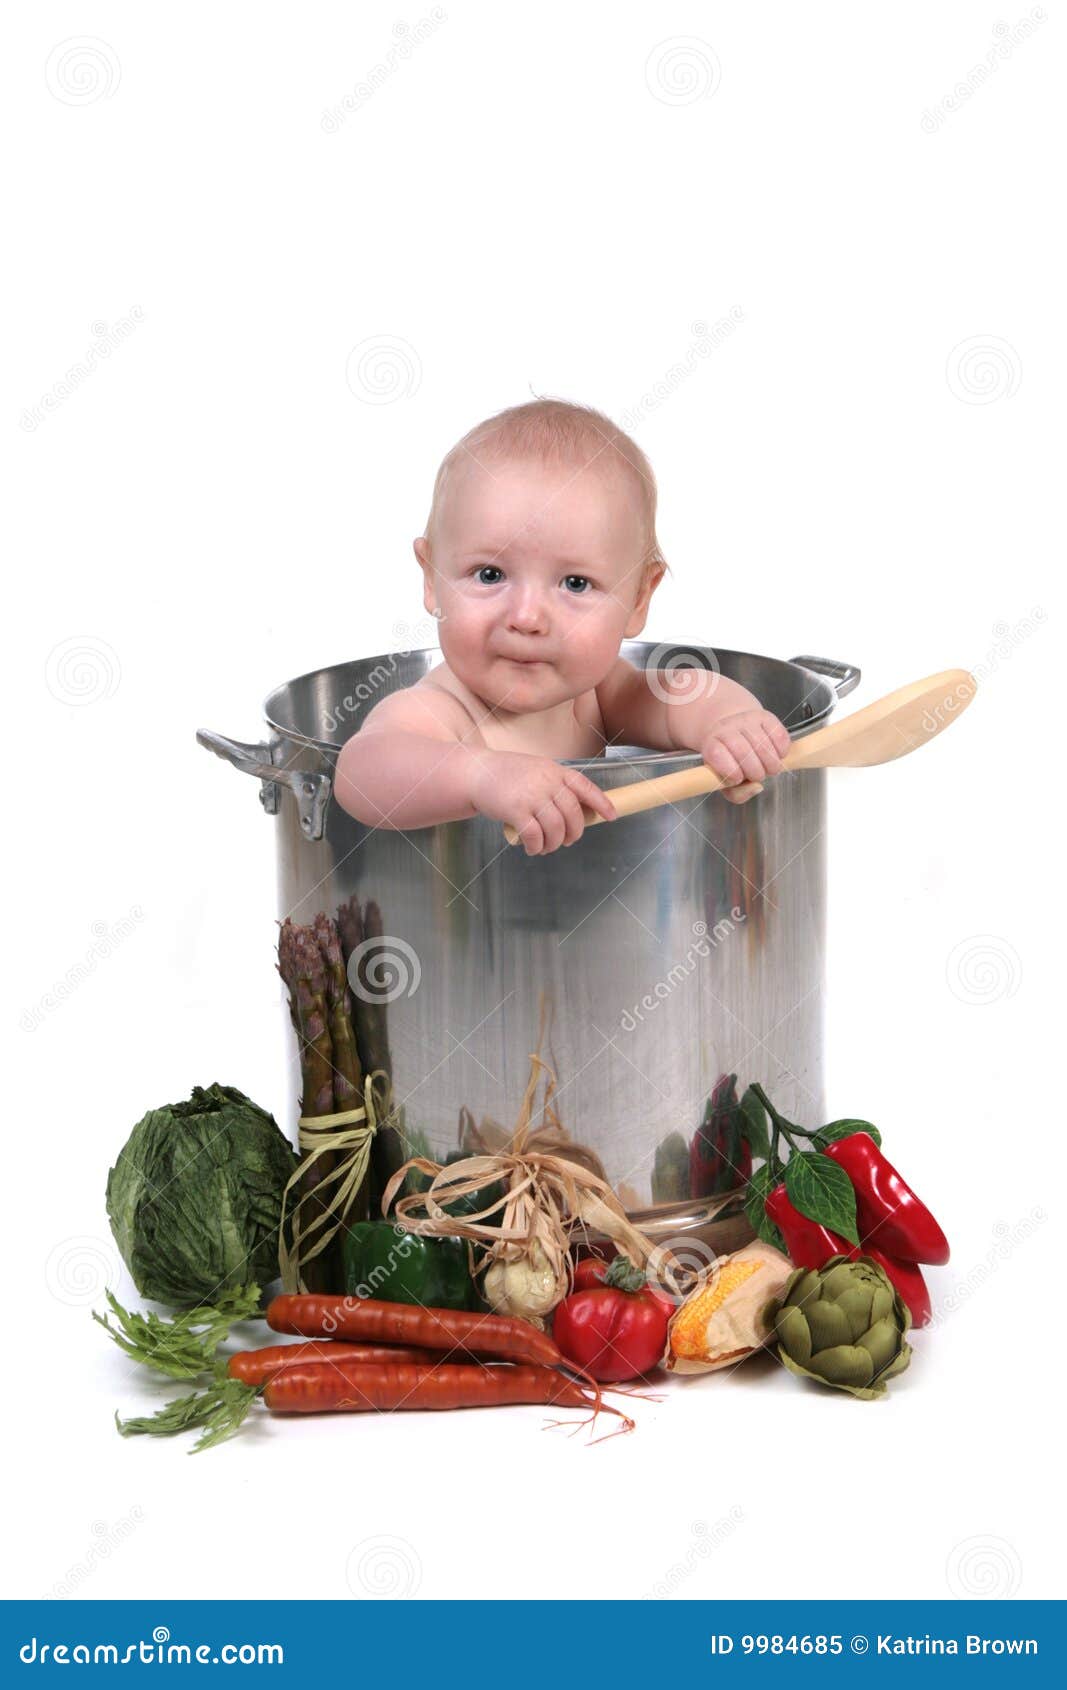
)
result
[(407, 766), (669, 711)]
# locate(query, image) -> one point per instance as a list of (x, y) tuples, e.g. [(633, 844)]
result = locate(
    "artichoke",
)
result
[(843, 1324)]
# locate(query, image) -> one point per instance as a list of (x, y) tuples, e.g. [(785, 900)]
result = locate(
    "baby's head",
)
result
[(540, 553)]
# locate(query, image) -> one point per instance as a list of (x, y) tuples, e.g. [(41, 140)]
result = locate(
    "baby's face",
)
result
[(537, 572)]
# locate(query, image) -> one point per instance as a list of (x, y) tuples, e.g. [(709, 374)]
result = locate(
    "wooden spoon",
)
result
[(883, 731)]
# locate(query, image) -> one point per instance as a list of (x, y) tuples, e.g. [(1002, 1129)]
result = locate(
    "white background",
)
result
[(534, 200)]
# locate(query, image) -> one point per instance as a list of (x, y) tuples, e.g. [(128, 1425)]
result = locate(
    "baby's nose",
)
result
[(526, 610)]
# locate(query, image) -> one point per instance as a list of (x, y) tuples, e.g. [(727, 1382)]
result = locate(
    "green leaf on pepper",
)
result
[(843, 1129), (754, 1125), (821, 1190), (758, 1189)]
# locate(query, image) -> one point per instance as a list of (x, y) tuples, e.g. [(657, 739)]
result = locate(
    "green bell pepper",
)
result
[(462, 1206), (382, 1260)]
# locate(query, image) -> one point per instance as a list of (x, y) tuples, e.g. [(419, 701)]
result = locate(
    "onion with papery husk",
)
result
[(525, 1236)]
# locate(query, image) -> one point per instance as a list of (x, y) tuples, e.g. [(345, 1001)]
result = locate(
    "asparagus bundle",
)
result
[(356, 929), (347, 1072), (301, 966), (311, 964), (347, 1069)]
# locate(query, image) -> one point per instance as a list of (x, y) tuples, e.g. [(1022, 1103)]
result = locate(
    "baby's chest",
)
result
[(584, 737)]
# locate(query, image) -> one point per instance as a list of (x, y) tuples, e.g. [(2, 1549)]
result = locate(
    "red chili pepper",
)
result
[(614, 1329), (719, 1157), (887, 1209), (809, 1244), (908, 1279)]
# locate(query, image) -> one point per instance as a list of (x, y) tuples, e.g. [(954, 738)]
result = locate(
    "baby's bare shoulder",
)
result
[(425, 708)]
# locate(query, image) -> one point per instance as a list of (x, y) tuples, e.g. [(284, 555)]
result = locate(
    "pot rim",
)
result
[(634, 755)]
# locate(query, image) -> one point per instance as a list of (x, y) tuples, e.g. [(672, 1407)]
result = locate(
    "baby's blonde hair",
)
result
[(556, 431)]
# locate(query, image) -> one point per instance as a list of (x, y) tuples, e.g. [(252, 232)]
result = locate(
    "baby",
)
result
[(539, 558)]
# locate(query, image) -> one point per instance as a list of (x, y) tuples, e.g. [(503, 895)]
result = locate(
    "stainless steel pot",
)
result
[(666, 951)]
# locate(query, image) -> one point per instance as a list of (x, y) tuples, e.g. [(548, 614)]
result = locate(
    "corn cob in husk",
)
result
[(724, 1318)]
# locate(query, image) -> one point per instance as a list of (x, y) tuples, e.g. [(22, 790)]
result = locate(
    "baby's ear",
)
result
[(639, 614), (421, 548)]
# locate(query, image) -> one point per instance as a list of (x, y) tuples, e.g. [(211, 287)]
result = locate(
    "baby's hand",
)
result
[(539, 798), (743, 748)]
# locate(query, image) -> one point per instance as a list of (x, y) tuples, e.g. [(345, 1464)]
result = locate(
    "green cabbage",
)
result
[(195, 1197)]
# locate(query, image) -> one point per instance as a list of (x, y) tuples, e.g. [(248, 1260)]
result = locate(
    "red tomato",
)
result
[(590, 1271), (609, 1330)]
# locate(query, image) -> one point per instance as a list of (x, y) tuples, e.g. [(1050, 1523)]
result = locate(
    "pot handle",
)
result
[(845, 676), (311, 791)]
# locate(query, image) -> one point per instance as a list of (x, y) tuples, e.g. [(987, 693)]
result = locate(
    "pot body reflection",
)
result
[(646, 964)]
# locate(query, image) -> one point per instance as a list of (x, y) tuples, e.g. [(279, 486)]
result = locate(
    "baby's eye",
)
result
[(577, 584), (489, 569)]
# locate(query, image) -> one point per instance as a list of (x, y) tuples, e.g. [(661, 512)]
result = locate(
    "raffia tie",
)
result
[(546, 1197), (349, 1131)]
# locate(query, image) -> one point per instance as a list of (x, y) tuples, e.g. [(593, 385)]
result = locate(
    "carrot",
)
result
[(370, 1321), (253, 1367), (317, 1387)]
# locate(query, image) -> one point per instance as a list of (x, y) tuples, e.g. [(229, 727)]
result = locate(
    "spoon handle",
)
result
[(889, 728)]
